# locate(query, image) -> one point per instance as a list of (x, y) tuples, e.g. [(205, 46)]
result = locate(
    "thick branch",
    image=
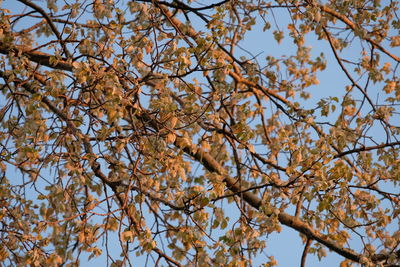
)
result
[(213, 166), (36, 56)]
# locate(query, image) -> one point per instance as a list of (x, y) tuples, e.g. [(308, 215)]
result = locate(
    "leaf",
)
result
[(127, 236), (278, 35)]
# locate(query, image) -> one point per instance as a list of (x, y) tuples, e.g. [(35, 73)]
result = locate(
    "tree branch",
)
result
[(366, 148), (305, 252), (49, 21), (95, 166), (36, 56), (354, 27)]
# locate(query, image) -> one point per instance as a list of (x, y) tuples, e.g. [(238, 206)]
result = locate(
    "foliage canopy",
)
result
[(152, 122)]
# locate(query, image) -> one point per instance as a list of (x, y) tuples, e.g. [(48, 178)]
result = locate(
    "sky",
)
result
[(286, 246)]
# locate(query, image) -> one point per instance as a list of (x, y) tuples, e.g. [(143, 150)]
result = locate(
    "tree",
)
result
[(150, 121)]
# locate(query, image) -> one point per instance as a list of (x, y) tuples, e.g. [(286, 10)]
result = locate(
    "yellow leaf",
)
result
[(127, 236), (173, 122), (171, 137)]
